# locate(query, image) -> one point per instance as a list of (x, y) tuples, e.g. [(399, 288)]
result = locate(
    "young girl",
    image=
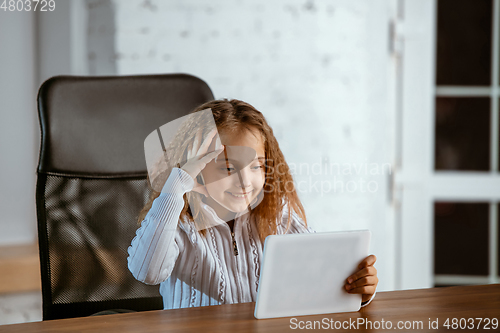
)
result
[(217, 261)]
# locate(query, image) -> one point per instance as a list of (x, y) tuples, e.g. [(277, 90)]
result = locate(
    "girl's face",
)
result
[(233, 184)]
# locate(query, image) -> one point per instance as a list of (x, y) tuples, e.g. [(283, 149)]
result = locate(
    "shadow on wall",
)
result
[(101, 37)]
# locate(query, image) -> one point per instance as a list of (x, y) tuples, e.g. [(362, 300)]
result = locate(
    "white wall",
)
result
[(62, 40), (34, 47), (18, 122)]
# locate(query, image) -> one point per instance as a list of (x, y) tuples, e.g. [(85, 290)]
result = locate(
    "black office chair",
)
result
[(92, 184)]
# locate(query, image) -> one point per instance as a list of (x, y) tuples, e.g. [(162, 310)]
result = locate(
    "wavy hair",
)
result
[(232, 117)]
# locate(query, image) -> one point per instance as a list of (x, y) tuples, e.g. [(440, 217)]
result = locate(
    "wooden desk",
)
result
[(406, 306)]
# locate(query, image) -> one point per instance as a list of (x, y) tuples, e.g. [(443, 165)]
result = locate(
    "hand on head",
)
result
[(197, 157)]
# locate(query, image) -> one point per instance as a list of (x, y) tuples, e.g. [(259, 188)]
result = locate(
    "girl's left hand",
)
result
[(365, 280)]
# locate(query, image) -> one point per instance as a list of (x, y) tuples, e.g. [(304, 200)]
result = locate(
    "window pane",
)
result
[(462, 134), (464, 42), (461, 238)]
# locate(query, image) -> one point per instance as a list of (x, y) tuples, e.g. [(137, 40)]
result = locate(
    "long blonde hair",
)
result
[(232, 116)]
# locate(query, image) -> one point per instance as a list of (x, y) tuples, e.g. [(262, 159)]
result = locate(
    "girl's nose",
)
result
[(244, 178)]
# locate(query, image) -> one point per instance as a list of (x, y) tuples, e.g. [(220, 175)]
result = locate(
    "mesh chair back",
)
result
[(92, 184)]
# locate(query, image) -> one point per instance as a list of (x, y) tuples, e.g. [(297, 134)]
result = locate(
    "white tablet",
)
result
[(305, 274)]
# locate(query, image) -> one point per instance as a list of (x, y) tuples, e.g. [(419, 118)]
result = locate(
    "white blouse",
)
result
[(192, 269)]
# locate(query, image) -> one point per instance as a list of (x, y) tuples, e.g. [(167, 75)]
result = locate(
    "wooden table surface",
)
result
[(409, 307)]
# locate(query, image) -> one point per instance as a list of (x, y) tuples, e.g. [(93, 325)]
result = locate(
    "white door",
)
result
[(435, 179)]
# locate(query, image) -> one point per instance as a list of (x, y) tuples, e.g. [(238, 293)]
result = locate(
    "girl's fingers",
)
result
[(368, 261), (369, 290), (208, 140), (196, 147), (192, 149), (210, 156), (370, 270), (196, 143), (364, 281), (189, 148)]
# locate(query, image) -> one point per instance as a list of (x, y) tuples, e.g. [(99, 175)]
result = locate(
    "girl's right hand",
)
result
[(197, 157)]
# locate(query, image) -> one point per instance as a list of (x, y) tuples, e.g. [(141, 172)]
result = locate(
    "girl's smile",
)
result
[(240, 195)]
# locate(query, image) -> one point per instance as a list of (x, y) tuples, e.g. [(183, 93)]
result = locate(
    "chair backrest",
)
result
[(92, 184)]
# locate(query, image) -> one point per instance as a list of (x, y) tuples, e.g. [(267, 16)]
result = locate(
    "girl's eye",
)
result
[(225, 169)]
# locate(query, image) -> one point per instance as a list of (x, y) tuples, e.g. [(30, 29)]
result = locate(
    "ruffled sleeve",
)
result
[(154, 249)]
